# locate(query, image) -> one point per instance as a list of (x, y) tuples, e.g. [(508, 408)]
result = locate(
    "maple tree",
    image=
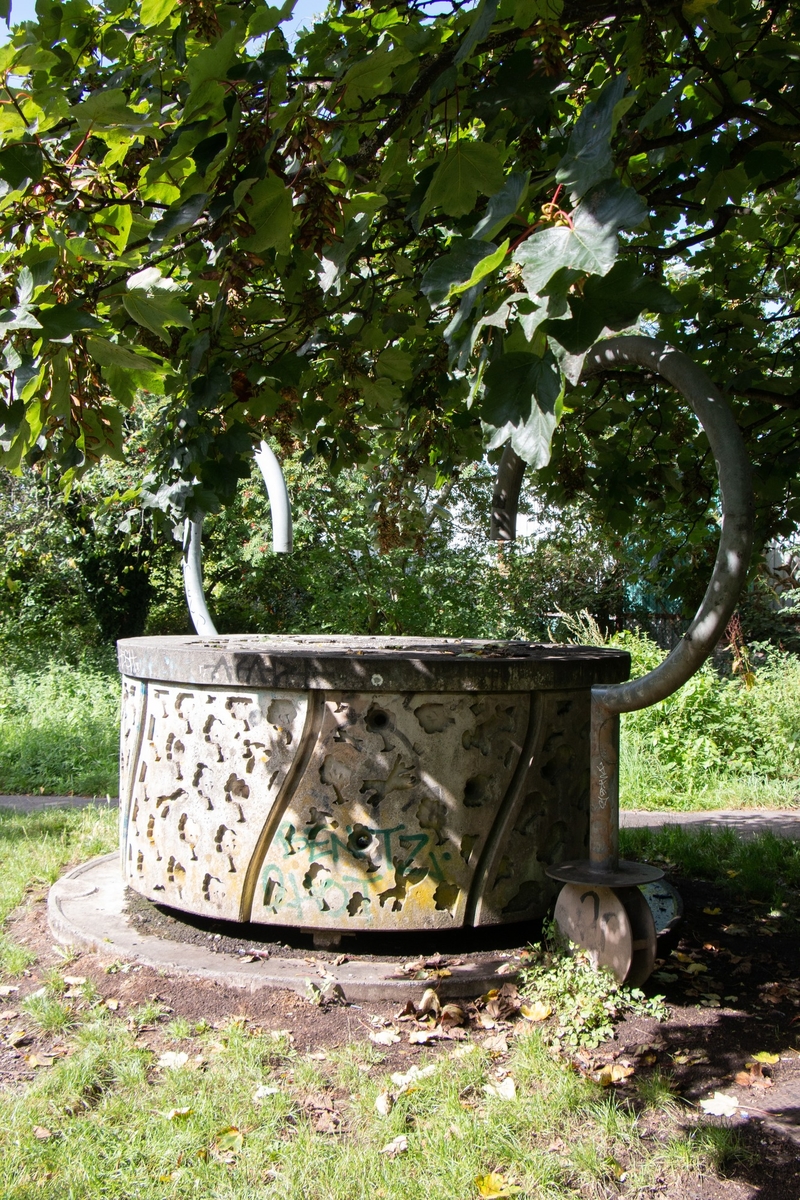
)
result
[(392, 242)]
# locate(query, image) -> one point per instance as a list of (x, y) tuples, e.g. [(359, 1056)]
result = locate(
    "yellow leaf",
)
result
[(230, 1140), (712, 912), (613, 1073), (538, 1011), (695, 968), (495, 1185), (764, 1056)]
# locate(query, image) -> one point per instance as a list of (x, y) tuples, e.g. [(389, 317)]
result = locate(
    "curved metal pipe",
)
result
[(279, 506), (736, 537), (281, 513), (193, 579), (711, 618)]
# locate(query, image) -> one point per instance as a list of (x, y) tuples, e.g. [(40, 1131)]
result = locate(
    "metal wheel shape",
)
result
[(613, 925)]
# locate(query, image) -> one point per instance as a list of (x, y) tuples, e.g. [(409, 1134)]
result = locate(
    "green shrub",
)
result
[(59, 727), (716, 738)]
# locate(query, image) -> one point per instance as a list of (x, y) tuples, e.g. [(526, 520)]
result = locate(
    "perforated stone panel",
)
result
[(346, 811)]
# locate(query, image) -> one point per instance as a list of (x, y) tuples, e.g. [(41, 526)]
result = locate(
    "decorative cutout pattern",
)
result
[(207, 773), (390, 817)]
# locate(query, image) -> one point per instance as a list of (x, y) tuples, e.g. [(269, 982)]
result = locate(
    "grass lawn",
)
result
[(111, 1086)]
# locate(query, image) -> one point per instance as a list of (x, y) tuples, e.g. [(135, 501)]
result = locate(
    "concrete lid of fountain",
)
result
[(365, 663)]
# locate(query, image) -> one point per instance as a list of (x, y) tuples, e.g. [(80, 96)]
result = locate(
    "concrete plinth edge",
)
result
[(86, 908)]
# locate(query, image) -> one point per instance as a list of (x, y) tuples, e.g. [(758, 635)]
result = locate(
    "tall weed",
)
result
[(59, 727), (715, 740)]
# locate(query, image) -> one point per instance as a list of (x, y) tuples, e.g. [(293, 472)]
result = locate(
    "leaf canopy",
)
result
[(391, 239)]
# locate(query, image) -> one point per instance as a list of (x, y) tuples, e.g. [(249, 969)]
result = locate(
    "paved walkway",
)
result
[(784, 822), (747, 822), (28, 804)]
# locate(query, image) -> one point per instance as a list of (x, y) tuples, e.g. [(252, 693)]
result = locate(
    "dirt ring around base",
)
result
[(87, 908)]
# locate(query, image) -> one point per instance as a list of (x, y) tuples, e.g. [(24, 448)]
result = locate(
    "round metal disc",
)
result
[(626, 874), (595, 919), (614, 926), (643, 930), (665, 904)]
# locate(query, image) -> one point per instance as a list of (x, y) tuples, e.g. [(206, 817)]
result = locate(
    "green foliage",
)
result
[(586, 1002), (59, 727), (269, 238), (765, 868), (713, 733)]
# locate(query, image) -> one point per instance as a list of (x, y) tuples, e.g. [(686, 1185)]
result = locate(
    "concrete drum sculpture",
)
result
[(343, 785)]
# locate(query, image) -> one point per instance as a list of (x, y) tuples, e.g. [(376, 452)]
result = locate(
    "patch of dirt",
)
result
[(730, 973), (226, 937)]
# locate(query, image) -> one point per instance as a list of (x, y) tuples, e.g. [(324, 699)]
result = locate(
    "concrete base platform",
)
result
[(86, 908)]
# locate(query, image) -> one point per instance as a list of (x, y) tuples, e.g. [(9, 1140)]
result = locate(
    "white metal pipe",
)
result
[(279, 505), (281, 513), (193, 579)]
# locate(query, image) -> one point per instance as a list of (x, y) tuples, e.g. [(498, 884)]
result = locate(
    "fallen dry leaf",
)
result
[(494, 1185), (412, 1076), (74, 980), (328, 1122), (41, 1133), (39, 1060), (504, 1089), (424, 1037), (429, 1003), (613, 1073), (172, 1060), (263, 1090), (452, 1014), (385, 1037), (695, 1057), (398, 1145), (537, 1011), (720, 1105), (496, 1044), (384, 1103)]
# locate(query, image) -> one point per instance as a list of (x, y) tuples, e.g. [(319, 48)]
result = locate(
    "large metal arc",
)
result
[(281, 513), (736, 537)]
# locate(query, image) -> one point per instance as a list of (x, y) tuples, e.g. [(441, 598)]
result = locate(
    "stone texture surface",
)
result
[(393, 664), (347, 811)]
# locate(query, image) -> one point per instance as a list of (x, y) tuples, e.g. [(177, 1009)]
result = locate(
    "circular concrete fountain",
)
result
[(346, 785)]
